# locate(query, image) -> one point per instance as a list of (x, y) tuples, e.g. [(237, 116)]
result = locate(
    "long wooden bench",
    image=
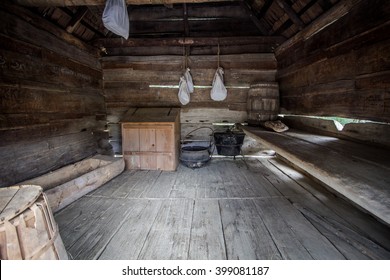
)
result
[(358, 172)]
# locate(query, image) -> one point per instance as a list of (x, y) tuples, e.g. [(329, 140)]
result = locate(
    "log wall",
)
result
[(340, 64), (152, 81), (51, 107)]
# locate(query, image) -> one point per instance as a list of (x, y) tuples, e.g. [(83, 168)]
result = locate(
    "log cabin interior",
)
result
[(95, 120)]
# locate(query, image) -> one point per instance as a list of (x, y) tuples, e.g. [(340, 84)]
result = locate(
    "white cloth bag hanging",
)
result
[(115, 17), (218, 90), (184, 94), (190, 84)]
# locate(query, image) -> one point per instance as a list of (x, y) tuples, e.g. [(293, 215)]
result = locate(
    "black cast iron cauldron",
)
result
[(194, 156), (229, 143)]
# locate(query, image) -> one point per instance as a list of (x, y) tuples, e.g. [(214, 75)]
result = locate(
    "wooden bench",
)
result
[(357, 172)]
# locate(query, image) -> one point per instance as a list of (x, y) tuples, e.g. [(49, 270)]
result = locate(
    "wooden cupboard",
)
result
[(151, 138)]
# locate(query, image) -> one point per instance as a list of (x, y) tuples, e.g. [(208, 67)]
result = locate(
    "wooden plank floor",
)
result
[(227, 210)]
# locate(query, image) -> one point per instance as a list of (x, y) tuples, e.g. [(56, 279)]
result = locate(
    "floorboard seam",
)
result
[(223, 231), (100, 252), (192, 220), (150, 229)]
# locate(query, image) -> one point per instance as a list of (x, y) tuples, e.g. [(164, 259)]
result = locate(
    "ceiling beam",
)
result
[(329, 17), (75, 21), (253, 16), (64, 3), (190, 41), (291, 13), (288, 22), (264, 9)]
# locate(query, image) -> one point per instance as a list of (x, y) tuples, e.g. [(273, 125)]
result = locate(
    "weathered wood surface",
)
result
[(127, 81), (54, 3), (27, 228), (51, 102), (372, 133), (330, 203), (28, 160), (137, 225), (340, 64), (361, 182), (189, 41), (207, 240), (64, 194), (220, 211), (133, 81)]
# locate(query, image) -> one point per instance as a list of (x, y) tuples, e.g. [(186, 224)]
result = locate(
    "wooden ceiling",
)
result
[(255, 25)]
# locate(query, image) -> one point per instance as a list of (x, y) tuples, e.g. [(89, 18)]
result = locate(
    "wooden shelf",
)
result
[(341, 165)]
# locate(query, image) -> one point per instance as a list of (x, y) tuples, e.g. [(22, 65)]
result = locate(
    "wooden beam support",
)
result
[(288, 23), (195, 41), (64, 3), (74, 22), (263, 11), (186, 28), (253, 16), (185, 21), (336, 12), (291, 13)]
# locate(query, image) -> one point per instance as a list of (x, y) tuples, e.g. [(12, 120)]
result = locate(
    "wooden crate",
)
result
[(28, 230), (151, 138)]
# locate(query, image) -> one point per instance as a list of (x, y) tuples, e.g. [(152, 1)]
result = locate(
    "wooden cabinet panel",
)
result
[(165, 161), (148, 161), (132, 161), (147, 138), (130, 139), (165, 138), (151, 142)]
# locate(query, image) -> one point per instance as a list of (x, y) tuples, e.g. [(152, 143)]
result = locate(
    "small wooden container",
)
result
[(151, 138), (263, 103), (28, 230)]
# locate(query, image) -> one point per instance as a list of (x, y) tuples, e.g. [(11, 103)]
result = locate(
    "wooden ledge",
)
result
[(349, 172)]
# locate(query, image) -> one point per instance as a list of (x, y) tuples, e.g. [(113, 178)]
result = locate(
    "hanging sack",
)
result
[(184, 94), (190, 84), (218, 91), (115, 17)]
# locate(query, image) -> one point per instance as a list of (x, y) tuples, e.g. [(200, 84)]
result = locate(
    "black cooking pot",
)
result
[(229, 143), (194, 156)]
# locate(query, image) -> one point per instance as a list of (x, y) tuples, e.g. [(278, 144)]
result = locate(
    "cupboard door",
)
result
[(131, 140), (131, 144), (164, 147), (147, 138), (164, 139), (147, 147)]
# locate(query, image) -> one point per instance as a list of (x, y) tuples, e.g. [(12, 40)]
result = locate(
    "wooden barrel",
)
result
[(27, 227), (263, 102)]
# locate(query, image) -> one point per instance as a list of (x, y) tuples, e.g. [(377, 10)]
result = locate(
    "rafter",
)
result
[(288, 22), (75, 21), (252, 15), (190, 41), (291, 13), (63, 3), (264, 9)]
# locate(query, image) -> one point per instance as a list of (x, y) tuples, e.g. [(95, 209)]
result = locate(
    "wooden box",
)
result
[(151, 138)]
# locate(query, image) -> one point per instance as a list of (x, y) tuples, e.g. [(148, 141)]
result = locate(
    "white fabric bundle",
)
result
[(184, 94), (218, 91), (115, 17), (186, 87), (190, 84)]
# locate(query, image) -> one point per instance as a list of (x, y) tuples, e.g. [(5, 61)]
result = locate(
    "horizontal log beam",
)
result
[(191, 41), (64, 3)]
